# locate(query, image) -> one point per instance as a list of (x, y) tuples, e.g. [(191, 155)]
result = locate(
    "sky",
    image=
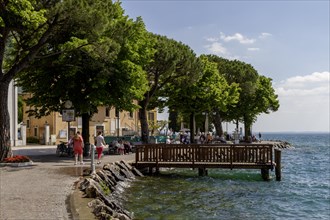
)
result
[(287, 41)]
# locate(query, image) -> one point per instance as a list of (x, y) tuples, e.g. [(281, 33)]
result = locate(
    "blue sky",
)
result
[(287, 41)]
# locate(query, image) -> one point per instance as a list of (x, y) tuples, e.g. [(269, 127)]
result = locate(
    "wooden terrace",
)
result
[(203, 156)]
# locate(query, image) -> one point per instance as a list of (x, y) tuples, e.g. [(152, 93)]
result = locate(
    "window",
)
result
[(151, 116), (117, 113), (131, 114), (35, 131), (107, 112), (99, 128), (28, 123)]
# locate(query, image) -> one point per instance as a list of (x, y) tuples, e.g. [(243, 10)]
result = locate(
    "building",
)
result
[(53, 128)]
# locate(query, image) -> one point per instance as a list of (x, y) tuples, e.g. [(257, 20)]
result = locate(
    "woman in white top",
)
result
[(100, 143)]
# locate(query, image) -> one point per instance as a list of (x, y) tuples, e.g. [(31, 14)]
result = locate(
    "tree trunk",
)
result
[(85, 117), (218, 124), (144, 122), (173, 120), (5, 145), (192, 127), (247, 129)]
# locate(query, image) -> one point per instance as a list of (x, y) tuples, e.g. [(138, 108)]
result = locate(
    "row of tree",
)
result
[(90, 52)]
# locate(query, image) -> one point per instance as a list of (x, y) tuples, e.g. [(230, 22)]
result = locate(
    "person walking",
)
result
[(78, 145), (100, 143)]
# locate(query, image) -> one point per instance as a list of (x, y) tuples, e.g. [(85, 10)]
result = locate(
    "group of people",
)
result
[(122, 147), (78, 147)]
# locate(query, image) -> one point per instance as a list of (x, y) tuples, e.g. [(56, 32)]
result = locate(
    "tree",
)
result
[(105, 71), (210, 91), (173, 120), (264, 101), (256, 93), (172, 64), (41, 30), (25, 27)]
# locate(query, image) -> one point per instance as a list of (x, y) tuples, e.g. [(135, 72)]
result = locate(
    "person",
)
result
[(168, 140), (127, 147), (259, 136), (78, 145), (202, 138), (120, 147), (209, 138), (100, 143)]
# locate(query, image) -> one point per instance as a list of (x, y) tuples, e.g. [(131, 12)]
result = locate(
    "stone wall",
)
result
[(103, 184)]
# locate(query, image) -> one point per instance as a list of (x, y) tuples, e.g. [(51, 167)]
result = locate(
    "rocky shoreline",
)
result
[(279, 144), (103, 184), (101, 187)]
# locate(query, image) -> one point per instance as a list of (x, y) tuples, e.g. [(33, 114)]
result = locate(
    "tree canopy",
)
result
[(256, 92), (173, 64), (104, 69), (78, 50), (210, 91), (90, 52)]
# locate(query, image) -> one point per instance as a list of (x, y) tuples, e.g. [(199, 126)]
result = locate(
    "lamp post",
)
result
[(118, 118)]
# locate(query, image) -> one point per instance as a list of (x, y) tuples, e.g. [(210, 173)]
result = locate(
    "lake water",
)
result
[(303, 193)]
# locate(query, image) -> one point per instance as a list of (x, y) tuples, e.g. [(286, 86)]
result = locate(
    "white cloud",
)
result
[(264, 35), (212, 39), (304, 105), (216, 48), (314, 77), (316, 83), (253, 49), (237, 37)]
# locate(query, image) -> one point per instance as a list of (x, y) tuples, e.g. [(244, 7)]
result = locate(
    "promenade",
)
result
[(42, 191)]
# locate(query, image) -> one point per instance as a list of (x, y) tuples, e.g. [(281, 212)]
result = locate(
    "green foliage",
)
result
[(256, 92), (20, 109), (99, 62), (106, 190), (174, 64), (210, 91)]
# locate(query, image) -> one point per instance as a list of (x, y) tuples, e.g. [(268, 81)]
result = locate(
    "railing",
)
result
[(213, 153)]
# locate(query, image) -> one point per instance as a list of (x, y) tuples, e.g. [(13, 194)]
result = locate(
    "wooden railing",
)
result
[(232, 154)]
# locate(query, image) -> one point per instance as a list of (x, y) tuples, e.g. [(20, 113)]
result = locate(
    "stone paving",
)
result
[(42, 191)]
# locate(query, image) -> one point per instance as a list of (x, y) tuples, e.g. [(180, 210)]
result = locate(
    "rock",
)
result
[(103, 184), (137, 172), (115, 173)]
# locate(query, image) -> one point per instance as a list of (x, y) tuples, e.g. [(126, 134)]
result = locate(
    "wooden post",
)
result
[(265, 173), (202, 171), (278, 168)]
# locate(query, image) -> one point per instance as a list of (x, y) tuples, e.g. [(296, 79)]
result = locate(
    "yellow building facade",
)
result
[(52, 129)]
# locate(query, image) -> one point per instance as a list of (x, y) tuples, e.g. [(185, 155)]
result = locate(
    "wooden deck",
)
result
[(230, 156)]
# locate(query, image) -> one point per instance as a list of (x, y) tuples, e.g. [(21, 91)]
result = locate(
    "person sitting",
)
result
[(209, 138), (202, 138), (127, 147)]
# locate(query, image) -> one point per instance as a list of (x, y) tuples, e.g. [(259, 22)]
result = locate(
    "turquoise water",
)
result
[(303, 193)]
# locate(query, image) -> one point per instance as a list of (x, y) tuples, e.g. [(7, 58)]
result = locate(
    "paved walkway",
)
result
[(41, 191)]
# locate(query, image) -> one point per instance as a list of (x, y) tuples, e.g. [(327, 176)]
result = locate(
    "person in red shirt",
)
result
[(78, 146)]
